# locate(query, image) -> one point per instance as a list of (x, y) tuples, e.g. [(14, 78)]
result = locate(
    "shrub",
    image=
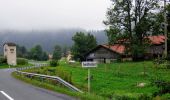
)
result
[(54, 63), (3, 60), (22, 61), (64, 75), (163, 85)]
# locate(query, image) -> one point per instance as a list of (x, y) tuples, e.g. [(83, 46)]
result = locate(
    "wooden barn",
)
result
[(107, 54)]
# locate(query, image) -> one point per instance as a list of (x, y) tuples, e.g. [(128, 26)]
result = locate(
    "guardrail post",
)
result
[(42, 79)]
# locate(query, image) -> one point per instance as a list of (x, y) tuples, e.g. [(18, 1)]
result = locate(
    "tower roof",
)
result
[(10, 44)]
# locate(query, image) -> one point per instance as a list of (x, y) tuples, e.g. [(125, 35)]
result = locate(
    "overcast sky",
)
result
[(52, 14)]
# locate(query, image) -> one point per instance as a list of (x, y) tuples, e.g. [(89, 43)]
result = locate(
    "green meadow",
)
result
[(127, 79)]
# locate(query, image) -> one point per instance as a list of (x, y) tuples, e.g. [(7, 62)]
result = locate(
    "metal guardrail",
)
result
[(30, 67), (37, 65), (68, 85)]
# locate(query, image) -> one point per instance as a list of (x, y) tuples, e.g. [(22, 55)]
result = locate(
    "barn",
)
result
[(105, 53), (108, 53)]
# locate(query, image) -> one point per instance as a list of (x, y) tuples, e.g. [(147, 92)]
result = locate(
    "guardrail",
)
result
[(35, 66), (38, 65), (68, 85)]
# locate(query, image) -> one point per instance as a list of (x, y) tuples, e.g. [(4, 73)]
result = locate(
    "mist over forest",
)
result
[(47, 39)]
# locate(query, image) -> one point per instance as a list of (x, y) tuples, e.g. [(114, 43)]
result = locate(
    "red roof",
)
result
[(116, 48), (157, 39)]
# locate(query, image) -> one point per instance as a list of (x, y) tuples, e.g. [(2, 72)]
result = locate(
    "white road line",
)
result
[(6, 95)]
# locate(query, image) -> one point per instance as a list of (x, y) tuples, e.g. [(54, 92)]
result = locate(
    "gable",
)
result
[(101, 50)]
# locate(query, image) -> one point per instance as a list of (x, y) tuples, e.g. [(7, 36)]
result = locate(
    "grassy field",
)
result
[(112, 80), (3, 66)]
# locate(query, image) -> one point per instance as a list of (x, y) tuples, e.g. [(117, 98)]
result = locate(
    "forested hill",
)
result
[(47, 39)]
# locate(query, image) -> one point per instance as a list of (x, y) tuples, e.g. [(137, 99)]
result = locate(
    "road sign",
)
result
[(89, 64)]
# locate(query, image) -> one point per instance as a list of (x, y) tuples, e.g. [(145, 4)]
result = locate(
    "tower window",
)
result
[(12, 50)]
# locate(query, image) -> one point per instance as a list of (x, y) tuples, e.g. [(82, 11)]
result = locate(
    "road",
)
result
[(13, 89)]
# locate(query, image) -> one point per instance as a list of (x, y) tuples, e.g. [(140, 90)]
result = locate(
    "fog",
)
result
[(52, 14)]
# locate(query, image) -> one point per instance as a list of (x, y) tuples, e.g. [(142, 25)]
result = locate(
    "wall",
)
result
[(156, 49), (102, 55)]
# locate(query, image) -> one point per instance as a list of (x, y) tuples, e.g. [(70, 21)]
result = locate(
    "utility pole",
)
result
[(165, 28)]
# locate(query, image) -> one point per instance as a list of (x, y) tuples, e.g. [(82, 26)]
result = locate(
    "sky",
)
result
[(52, 14)]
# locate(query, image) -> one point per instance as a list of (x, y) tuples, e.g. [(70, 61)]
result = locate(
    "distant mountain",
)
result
[(47, 39)]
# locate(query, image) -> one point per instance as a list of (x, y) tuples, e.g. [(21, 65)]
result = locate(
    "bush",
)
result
[(64, 75), (3, 60), (22, 61), (54, 63), (163, 85)]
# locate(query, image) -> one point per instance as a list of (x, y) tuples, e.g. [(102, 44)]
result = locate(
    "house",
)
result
[(106, 53), (10, 53), (69, 56), (157, 46), (50, 56)]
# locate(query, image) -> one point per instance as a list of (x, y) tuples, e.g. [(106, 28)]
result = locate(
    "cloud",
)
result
[(52, 14)]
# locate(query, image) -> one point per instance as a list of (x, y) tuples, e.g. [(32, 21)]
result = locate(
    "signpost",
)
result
[(89, 64)]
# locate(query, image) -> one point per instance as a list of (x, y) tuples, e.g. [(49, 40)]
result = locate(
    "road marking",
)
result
[(6, 95)]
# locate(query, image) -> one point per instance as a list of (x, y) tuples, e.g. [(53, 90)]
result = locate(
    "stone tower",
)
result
[(10, 53)]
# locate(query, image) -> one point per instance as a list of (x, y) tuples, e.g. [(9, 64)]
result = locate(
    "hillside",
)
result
[(47, 39)]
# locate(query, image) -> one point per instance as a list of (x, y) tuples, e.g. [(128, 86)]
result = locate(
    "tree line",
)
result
[(37, 52)]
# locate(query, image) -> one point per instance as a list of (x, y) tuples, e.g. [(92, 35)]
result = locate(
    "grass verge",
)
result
[(82, 96), (2, 66)]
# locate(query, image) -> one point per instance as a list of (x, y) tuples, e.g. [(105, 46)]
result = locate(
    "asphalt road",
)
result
[(13, 89)]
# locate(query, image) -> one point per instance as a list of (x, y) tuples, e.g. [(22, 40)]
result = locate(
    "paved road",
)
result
[(13, 89)]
